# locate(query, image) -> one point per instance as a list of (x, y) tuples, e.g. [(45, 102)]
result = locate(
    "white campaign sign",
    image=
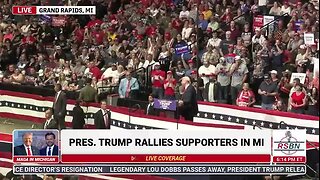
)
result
[(301, 76), (267, 19), (308, 38), (165, 142)]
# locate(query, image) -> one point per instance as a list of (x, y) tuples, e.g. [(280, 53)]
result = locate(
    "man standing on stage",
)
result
[(188, 106), (60, 106), (102, 118)]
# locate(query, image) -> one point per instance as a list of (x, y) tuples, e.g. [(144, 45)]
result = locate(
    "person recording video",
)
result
[(26, 149), (51, 149)]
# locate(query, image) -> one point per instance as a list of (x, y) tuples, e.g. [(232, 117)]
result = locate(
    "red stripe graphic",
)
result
[(142, 158), (36, 159), (289, 159)]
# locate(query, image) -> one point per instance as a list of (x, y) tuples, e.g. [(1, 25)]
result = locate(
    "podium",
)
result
[(169, 107)]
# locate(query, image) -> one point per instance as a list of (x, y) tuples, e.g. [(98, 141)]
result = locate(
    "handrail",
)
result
[(275, 19)]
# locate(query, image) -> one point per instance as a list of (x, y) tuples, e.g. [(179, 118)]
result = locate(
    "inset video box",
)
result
[(36, 146)]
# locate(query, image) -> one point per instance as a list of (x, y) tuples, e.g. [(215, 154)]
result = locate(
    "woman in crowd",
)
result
[(298, 100), (275, 10), (17, 77), (73, 83), (63, 81), (246, 97), (169, 86), (279, 106), (313, 105)]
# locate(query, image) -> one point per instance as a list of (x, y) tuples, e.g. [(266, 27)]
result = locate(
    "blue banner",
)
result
[(181, 49), (165, 104), (45, 18)]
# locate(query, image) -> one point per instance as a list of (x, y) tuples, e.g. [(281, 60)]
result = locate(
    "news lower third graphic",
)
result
[(172, 169), (158, 146), (155, 152)]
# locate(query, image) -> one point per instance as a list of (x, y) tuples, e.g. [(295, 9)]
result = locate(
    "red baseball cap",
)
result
[(193, 72), (190, 61)]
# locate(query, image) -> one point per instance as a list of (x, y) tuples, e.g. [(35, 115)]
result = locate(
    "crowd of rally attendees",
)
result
[(128, 45)]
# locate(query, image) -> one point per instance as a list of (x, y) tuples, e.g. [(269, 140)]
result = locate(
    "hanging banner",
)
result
[(58, 21)]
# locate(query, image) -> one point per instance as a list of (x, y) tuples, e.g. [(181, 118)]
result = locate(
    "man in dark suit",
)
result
[(211, 91), (26, 149), (102, 118), (50, 123), (188, 106), (51, 149), (60, 106), (78, 116), (150, 108)]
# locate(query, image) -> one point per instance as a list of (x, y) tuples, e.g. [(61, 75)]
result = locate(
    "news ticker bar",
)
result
[(156, 169), (53, 10)]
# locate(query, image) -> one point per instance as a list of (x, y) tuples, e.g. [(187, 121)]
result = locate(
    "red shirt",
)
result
[(150, 30), (169, 90), (234, 34), (297, 99), (246, 96), (176, 23), (98, 35), (158, 83), (286, 56), (79, 35), (96, 72), (93, 22), (28, 39), (145, 3)]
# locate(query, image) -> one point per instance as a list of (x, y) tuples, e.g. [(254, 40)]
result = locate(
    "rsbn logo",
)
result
[(289, 145)]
